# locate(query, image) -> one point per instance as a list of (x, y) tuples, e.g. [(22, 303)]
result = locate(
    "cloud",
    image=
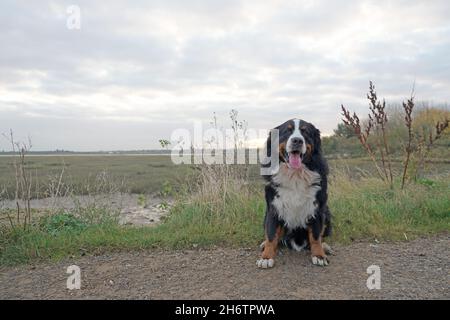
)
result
[(149, 67)]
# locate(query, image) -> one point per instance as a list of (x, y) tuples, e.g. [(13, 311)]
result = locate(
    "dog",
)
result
[(297, 214)]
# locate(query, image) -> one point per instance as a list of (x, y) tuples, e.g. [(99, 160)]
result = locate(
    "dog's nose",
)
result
[(297, 141)]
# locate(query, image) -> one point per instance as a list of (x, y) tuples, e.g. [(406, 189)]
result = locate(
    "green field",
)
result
[(225, 213)]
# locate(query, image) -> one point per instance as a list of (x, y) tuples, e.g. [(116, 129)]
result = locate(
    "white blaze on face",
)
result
[(296, 134)]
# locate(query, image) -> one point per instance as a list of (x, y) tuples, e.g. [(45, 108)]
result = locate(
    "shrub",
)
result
[(62, 222)]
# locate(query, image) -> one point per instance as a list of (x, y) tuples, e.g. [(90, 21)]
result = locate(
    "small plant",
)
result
[(166, 189), (427, 182), (63, 222), (164, 143), (142, 200), (164, 205), (94, 214)]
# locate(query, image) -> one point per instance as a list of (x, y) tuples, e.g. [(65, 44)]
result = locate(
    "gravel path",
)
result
[(417, 269)]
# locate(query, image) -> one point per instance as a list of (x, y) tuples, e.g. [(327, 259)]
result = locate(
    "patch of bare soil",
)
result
[(417, 269), (133, 209)]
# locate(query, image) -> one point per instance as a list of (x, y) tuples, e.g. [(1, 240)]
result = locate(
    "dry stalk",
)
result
[(426, 141), (23, 180), (380, 118), (408, 107), (363, 135)]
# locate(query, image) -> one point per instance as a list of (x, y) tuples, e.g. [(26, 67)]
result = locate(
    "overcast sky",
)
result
[(137, 70)]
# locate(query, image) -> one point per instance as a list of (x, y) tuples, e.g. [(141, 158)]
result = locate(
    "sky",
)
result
[(135, 71)]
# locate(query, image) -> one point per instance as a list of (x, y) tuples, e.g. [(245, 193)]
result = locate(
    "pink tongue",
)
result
[(294, 161)]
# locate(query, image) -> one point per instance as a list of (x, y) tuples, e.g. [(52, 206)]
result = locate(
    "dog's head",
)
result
[(299, 141)]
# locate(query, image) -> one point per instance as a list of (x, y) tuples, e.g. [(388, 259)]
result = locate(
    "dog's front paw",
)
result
[(265, 263), (321, 261)]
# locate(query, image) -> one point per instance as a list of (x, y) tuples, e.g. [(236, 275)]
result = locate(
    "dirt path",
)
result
[(417, 269)]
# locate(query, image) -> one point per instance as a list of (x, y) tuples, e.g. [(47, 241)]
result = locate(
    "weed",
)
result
[(62, 222)]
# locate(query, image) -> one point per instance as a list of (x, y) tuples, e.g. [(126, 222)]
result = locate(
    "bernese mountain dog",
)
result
[(297, 214)]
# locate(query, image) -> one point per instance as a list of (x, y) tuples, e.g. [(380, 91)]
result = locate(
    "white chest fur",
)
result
[(296, 195)]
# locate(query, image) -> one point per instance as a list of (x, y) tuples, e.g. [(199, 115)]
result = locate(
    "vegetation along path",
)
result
[(418, 269)]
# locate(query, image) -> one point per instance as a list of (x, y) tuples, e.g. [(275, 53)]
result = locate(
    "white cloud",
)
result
[(148, 67)]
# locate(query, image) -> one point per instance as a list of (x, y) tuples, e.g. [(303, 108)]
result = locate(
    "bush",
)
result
[(62, 222)]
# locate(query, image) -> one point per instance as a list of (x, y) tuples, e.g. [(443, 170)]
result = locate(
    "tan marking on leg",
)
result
[(316, 244), (270, 247), (318, 256)]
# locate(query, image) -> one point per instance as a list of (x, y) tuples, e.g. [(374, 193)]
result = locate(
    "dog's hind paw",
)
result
[(320, 261), (326, 247), (265, 263)]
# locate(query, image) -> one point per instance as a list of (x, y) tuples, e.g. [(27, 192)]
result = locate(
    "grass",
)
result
[(367, 209), (189, 224), (363, 209), (139, 174)]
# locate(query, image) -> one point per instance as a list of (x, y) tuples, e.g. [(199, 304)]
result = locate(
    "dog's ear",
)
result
[(317, 141)]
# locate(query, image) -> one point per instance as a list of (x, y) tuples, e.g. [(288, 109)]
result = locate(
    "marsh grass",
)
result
[(136, 174), (364, 208)]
